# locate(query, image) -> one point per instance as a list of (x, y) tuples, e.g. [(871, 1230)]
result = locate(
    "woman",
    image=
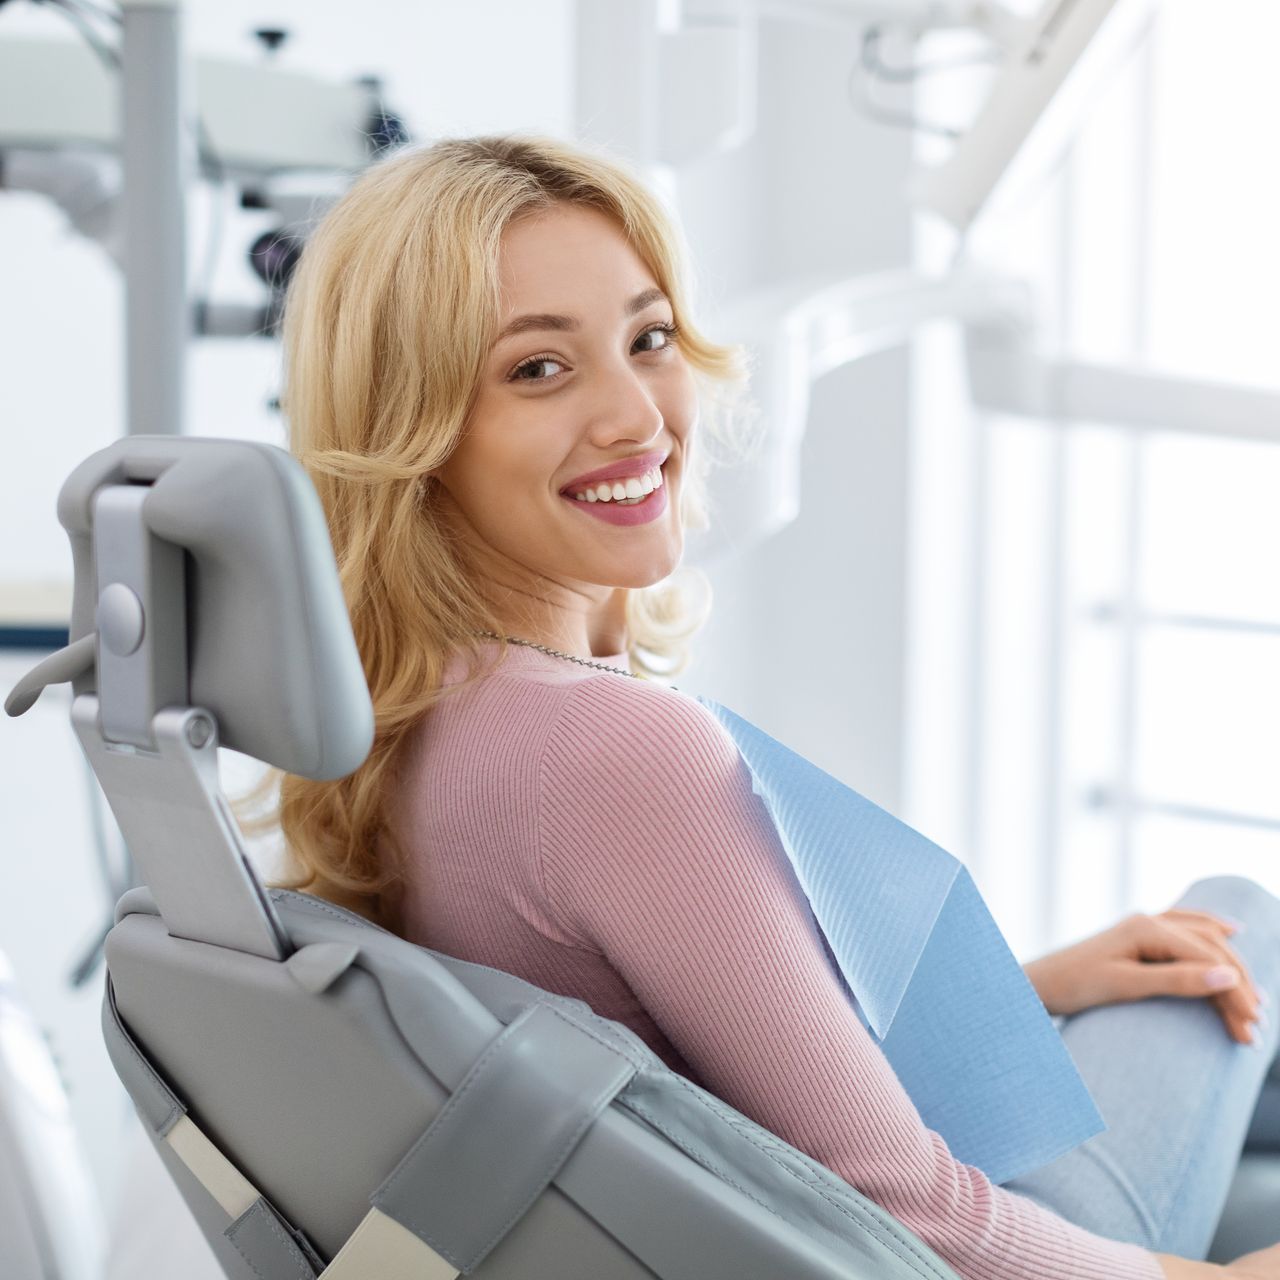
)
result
[(494, 381)]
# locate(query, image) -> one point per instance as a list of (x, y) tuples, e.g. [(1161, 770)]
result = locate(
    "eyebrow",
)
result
[(523, 324)]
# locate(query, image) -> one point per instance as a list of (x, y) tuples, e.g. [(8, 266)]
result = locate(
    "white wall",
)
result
[(807, 634)]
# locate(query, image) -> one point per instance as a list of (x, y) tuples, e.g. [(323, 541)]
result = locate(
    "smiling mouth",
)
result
[(606, 491), (641, 510), (617, 502), (621, 502)]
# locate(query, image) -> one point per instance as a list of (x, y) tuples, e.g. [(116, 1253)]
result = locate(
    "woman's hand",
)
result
[(1177, 953), (1263, 1265)]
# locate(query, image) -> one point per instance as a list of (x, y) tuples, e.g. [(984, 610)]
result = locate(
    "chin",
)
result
[(636, 577), (662, 568)]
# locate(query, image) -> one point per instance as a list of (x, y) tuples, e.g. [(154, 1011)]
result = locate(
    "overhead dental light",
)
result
[(1055, 62)]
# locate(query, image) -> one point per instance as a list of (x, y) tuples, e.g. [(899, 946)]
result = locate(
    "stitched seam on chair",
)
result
[(580, 1008), (643, 1111), (598, 1103), (232, 1234), (540, 996), (259, 1209), (638, 1063), (175, 1107), (883, 1232), (309, 902), (886, 1232), (249, 1261), (537, 992), (497, 1045)]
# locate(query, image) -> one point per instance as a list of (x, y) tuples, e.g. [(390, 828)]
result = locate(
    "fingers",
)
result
[(1192, 937), (1209, 928), (1243, 1010), (1244, 996), (1222, 924), (1186, 978), (1241, 1027), (1185, 914)]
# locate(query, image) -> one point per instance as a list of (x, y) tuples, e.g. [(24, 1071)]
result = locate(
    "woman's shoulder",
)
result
[(597, 724), (610, 722)]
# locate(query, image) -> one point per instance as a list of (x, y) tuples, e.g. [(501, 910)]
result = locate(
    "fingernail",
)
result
[(1263, 999), (1237, 926), (1220, 978), (1255, 1036)]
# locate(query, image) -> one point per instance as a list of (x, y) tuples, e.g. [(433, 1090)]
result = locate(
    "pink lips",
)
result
[(620, 470)]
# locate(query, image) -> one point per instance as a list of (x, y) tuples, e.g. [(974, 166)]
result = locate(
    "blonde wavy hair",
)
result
[(388, 322)]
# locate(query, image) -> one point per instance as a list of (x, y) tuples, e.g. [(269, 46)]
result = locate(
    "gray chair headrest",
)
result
[(271, 651)]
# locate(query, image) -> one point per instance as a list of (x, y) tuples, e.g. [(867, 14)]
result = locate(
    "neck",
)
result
[(605, 650), (598, 631), (582, 618)]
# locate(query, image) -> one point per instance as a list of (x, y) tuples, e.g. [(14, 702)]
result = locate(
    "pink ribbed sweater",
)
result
[(598, 836)]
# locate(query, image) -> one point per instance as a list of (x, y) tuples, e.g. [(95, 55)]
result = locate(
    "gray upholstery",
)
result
[(505, 1132), (668, 1181), (268, 1245)]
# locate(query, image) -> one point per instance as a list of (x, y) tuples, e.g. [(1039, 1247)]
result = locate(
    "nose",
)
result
[(625, 409)]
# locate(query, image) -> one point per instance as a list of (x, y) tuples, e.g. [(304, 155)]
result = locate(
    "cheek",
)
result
[(500, 485), (488, 465), (681, 410)]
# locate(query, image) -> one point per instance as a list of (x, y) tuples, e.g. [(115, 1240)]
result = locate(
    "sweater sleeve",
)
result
[(655, 851)]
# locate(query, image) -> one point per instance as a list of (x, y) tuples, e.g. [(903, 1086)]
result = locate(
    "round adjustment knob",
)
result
[(120, 619)]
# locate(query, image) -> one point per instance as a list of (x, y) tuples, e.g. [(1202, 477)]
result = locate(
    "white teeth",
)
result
[(632, 488)]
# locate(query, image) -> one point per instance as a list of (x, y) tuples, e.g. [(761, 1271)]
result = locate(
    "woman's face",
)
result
[(585, 375)]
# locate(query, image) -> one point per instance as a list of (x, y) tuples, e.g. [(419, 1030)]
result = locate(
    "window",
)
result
[(1116, 723)]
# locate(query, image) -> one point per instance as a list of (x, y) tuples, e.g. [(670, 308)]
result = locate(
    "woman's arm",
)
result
[(1185, 1269), (1262, 1265), (656, 852)]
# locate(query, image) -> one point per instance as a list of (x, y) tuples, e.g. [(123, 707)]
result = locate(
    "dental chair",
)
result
[(328, 1098)]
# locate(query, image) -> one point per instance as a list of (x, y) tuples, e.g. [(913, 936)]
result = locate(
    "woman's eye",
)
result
[(523, 371), (665, 331), (528, 371)]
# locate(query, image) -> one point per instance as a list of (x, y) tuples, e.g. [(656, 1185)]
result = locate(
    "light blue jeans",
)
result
[(1181, 1099)]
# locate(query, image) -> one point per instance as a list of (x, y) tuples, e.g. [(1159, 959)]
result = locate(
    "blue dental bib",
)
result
[(930, 975)]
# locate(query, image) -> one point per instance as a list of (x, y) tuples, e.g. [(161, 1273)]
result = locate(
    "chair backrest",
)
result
[(328, 1098), (257, 632)]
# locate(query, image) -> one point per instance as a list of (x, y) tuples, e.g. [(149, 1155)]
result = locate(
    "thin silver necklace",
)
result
[(555, 653)]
